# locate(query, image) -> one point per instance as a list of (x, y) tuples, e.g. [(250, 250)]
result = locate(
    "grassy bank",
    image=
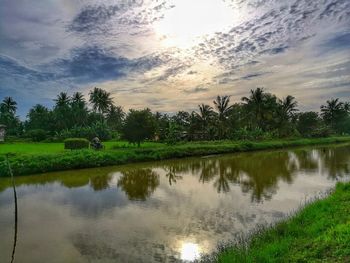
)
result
[(47, 158), (318, 233)]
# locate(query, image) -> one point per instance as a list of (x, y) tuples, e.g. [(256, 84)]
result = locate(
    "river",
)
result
[(167, 211)]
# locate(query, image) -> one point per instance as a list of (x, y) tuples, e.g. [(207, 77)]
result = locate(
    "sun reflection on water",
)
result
[(190, 251)]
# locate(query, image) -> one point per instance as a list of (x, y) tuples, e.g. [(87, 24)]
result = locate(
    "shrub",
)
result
[(76, 143), (37, 135)]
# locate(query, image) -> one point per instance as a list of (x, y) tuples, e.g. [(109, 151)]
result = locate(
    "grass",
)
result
[(32, 158), (39, 148), (318, 233)]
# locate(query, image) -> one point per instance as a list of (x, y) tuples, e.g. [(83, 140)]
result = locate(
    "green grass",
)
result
[(32, 158), (318, 233), (39, 148)]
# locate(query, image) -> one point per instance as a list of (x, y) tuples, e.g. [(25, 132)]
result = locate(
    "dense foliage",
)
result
[(76, 144), (260, 115)]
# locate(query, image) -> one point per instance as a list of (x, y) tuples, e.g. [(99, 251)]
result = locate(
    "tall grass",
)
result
[(320, 232)]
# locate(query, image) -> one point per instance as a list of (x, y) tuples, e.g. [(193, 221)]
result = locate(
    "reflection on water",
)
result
[(165, 211), (190, 251), (138, 184)]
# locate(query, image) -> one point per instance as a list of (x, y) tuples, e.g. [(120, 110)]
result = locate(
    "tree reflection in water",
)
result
[(100, 182), (138, 184), (256, 173), (171, 175)]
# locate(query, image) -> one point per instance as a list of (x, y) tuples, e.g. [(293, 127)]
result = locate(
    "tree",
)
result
[(39, 117), (205, 117), (79, 109), (139, 126), (115, 117), (308, 123), (8, 105), (261, 109), (62, 112), (286, 112), (101, 100), (336, 115), (223, 108), (255, 104), (8, 116)]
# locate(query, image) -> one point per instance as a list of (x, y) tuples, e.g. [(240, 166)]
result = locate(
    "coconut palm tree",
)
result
[(79, 109), (205, 113), (331, 111), (222, 106), (205, 117), (115, 117), (255, 102), (101, 100), (289, 106), (286, 110), (8, 105), (78, 99), (62, 100)]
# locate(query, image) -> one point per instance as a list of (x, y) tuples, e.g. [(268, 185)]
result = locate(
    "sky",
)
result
[(172, 55)]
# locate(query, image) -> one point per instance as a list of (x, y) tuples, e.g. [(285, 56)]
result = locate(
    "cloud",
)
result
[(91, 64), (198, 89), (297, 47)]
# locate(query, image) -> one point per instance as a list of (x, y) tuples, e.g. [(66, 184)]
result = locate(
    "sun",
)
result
[(188, 21), (190, 251)]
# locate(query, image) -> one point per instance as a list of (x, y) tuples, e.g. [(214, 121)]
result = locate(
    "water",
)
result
[(169, 211)]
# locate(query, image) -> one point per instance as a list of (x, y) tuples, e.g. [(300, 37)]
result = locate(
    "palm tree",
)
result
[(62, 99), (8, 105), (331, 111), (289, 106), (101, 100), (205, 116), (222, 106), (205, 113), (115, 117), (285, 110), (78, 99), (79, 109), (62, 112), (255, 102)]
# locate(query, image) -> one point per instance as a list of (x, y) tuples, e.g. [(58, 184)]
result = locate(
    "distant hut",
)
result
[(2, 132)]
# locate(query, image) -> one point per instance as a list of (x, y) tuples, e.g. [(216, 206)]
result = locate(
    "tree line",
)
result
[(260, 115)]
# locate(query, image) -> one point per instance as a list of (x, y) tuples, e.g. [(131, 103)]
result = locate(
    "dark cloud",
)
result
[(92, 64), (196, 90), (253, 75), (95, 17)]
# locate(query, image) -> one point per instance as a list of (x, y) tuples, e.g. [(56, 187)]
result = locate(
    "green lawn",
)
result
[(318, 233), (40, 148)]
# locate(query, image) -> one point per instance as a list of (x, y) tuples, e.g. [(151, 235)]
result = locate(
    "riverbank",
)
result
[(25, 163), (318, 233)]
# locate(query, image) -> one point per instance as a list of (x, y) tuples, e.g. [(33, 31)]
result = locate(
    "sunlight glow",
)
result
[(190, 251), (188, 21)]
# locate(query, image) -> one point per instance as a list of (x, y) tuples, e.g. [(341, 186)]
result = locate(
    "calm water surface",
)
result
[(169, 211)]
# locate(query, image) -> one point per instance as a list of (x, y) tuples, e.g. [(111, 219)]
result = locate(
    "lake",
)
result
[(167, 211)]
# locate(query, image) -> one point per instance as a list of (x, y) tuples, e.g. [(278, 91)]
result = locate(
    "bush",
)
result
[(37, 135), (76, 143)]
